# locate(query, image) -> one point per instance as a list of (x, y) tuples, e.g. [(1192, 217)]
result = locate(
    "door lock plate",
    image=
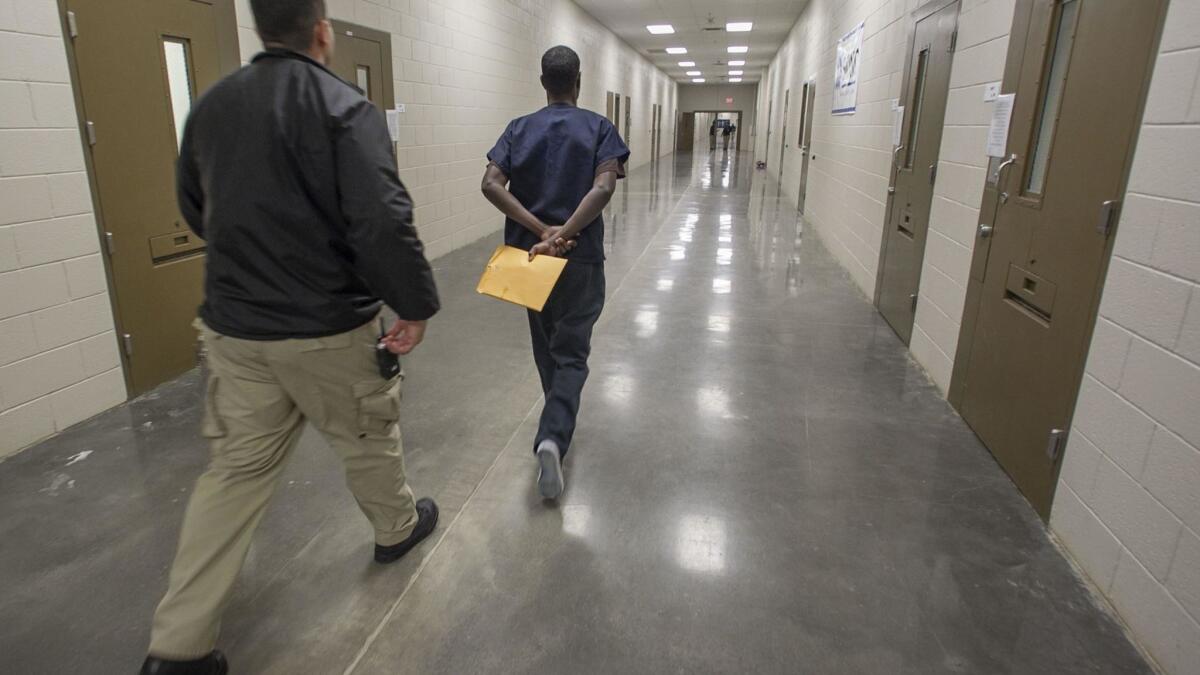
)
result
[(1054, 444)]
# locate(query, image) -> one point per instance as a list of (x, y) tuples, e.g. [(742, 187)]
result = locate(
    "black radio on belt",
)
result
[(389, 363)]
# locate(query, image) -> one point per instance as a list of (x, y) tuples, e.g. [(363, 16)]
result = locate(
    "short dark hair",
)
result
[(560, 70), (287, 22)]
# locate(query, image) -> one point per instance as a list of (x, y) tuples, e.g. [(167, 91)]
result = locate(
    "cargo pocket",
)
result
[(378, 407), (212, 426)]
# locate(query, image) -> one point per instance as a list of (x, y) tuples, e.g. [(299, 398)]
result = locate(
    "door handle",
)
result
[(896, 152), (1000, 175), (985, 230)]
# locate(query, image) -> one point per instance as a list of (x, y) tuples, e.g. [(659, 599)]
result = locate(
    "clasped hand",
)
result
[(552, 244)]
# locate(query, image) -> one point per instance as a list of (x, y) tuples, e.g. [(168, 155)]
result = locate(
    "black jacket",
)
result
[(288, 172)]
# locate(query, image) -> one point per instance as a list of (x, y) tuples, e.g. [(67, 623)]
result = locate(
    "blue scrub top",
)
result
[(551, 158)]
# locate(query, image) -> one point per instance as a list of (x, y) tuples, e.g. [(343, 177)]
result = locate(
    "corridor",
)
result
[(762, 482)]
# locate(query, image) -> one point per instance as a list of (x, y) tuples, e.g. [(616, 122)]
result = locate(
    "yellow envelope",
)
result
[(511, 276)]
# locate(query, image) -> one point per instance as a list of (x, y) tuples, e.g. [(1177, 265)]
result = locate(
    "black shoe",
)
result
[(213, 664), (427, 516)]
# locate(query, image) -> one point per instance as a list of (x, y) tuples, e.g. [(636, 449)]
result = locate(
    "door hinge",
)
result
[(1055, 443), (953, 42), (913, 297), (1108, 216), (109, 244), (932, 173), (91, 132), (127, 344), (72, 25)]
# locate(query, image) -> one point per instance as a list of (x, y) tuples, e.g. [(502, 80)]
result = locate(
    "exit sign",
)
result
[(729, 99)]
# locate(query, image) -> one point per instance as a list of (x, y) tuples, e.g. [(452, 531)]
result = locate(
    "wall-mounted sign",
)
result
[(845, 72), (729, 99)]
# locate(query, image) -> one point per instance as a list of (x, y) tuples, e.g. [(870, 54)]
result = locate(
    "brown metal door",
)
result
[(806, 122), (658, 131), (628, 121), (140, 64), (362, 58), (787, 94), (1044, 246), (685, 132), (654, 132), (926, 87)]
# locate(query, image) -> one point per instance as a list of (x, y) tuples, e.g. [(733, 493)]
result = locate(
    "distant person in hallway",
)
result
[(726, 133), (288, 173), (712, 136), (551, 174)]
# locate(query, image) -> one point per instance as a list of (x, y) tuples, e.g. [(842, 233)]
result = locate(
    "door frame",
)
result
[(229, 59), (347, 29), (740, 117), (923, 12)]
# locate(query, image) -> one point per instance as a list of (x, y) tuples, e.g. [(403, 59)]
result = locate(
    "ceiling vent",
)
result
[(712, 28)]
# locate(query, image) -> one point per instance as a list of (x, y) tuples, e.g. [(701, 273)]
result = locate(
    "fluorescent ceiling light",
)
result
[(737, 63), (738, 27), (687, 64), (697, 80), (662, 29), (676, 50), (693, 73), (735, 72), (742, 49), (735, 79)]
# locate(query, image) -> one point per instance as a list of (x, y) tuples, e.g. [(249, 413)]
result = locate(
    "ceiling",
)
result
[(772, 21)]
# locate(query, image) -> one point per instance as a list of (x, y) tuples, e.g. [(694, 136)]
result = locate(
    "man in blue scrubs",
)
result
[(560, 165)]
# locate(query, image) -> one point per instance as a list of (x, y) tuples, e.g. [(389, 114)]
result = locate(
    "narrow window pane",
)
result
[(362, 77), (1055, 82), (914, 121), (178, 82)]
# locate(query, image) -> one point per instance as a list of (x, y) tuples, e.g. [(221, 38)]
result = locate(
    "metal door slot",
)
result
[(1030, 292), (173, 246)]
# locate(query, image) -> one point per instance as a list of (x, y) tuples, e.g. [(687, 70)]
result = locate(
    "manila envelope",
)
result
[(511, 276)]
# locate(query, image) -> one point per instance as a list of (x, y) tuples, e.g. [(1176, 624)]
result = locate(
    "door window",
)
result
[(362, 77), (914, 120), (179, 82), (1056, 79)]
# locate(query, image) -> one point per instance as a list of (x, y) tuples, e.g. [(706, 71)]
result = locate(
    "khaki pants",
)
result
[(259, 395)]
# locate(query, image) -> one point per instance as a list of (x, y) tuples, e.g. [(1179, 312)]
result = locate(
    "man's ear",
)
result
[(542, 79)]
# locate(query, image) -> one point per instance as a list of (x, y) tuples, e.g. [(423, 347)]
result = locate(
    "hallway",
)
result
[(762, 481)]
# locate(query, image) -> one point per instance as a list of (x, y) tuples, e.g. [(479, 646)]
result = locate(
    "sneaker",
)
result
[(427, 517), (213, 664), (550, 474)]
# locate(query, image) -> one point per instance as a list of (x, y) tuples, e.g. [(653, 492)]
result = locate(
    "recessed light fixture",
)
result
[(693, 73), (662, 29), (737, 27), (735, 72), (735, 79), (676, 50), (737, 63), (740, 49), (698, 80), (687, 64)]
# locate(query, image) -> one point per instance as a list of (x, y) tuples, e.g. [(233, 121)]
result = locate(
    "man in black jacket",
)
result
[(288, 173)]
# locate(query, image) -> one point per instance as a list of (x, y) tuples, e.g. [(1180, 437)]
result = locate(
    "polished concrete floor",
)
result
[(762, 482)]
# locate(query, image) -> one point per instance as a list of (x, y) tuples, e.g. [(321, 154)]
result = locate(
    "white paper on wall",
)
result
[(998, 132), (897, 124)]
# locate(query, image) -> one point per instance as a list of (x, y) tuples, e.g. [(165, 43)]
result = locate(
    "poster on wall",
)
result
[(845, 72)]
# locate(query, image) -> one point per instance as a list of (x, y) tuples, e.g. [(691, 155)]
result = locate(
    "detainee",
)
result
[(551, 174), (289, 175)]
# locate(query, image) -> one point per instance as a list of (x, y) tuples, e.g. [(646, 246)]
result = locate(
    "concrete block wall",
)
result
[(59, 362), (463, 69), (1128, 500)]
